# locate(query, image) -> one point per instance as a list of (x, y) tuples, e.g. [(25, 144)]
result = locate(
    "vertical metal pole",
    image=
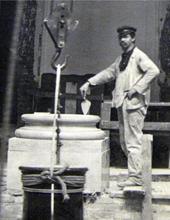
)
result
[(54, 141)]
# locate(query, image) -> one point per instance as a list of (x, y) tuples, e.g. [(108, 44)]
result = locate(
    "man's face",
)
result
[(126, 41)]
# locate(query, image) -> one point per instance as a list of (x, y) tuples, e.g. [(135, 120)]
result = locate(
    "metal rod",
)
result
[(54, 140), (49, 31)]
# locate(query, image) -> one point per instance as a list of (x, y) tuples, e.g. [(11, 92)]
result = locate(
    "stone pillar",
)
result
[(83, 144)]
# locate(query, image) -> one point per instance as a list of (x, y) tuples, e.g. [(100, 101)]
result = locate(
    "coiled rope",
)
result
[(68, 183)]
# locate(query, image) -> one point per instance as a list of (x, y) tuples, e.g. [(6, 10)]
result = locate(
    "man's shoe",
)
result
[(128, 182)]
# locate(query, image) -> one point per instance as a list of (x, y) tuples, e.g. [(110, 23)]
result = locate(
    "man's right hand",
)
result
[(83, 89)]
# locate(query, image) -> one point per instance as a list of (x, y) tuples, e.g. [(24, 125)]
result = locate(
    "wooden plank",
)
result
[(152, 104), (106, 111), (134, 191), (161, 190), (106, 114), (70, 105), (148, 126), (159, 104), (79, 99), (147, 177), (96, 104)]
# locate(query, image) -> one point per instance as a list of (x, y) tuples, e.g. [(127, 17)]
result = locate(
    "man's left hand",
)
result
[(131, 93)]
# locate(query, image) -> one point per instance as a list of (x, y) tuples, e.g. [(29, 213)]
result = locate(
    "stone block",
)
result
[(25, 152), (91, 154), (35, 152)]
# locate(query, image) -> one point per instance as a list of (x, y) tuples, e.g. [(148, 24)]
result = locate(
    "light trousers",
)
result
[(131, 123)]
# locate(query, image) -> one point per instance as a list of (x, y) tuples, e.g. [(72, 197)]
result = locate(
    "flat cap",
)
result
[(126, 30)]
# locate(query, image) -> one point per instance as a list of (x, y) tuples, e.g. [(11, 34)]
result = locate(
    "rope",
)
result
[(27, 189), (54, 144), (45, 177), (35, 179)]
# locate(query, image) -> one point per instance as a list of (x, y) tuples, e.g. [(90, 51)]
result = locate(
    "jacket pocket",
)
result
[(136, 102)]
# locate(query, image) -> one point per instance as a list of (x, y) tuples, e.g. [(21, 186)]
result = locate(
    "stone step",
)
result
[(114, 205), (117, 174), (107, 208), (10, 209)]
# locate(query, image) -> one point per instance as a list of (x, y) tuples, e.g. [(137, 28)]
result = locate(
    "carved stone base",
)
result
[(83, 145)]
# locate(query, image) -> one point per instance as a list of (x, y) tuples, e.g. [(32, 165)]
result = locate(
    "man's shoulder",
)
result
[(138, 53)]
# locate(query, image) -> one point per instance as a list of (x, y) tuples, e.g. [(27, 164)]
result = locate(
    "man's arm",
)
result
[(150, 72), (102, 77)]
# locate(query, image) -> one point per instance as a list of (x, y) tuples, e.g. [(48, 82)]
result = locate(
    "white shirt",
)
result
[(138, 74)]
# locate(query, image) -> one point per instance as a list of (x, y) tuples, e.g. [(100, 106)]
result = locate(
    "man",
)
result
[(133, 73)]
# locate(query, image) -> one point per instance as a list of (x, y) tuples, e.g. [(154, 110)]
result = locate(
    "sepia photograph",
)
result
[(85, 110)]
